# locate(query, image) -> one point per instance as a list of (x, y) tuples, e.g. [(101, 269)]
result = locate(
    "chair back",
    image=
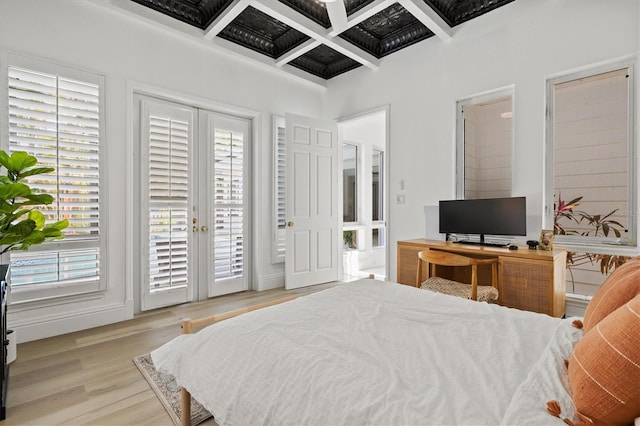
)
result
[(444, 258)]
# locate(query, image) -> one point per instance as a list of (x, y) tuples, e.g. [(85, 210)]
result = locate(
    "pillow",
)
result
[(621, 286), (604, 369)]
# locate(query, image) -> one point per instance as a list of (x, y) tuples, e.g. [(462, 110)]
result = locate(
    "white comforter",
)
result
[(368, 352)]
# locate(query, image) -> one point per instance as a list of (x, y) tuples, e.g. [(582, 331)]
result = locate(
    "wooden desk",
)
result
[(532, 280)]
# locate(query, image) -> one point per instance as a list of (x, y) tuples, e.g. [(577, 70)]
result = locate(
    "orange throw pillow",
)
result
[(604, 369), (621, 286)]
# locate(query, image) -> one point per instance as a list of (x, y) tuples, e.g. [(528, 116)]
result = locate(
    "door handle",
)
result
[(194, 229), (289, 224), (204, 228)]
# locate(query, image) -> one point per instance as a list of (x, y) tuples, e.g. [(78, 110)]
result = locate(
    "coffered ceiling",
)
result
[(310, 38)]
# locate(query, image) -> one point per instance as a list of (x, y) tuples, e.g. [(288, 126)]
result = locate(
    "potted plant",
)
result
[(21, 224), (595, 225)]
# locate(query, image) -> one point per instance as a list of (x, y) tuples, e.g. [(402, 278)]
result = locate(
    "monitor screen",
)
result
[(490, 216)]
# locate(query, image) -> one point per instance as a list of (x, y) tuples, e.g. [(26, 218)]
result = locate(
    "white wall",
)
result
[(522, 43), (88, 35)]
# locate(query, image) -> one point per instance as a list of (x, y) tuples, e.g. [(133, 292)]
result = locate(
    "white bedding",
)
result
[(368, 352)]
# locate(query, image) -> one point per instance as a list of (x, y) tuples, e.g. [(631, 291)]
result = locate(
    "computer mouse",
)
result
[(513, 247)]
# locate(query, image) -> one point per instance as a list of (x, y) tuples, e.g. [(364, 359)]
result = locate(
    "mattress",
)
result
[(376, 353)]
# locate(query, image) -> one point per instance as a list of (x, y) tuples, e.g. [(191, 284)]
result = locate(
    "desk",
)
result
[(532, 280)]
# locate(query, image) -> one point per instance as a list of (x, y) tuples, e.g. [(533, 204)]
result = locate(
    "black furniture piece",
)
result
[(4, 367)]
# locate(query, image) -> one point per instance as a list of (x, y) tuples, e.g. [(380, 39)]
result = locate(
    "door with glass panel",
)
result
[(193, 188), (223, 202)]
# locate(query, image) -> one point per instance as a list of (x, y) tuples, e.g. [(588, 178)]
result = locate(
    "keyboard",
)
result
[(486, 243)]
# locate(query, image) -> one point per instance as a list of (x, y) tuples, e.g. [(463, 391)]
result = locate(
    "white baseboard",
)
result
[(268, 282), (67, 322), (576, 304)]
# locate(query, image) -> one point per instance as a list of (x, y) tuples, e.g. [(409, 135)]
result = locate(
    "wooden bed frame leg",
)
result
[(185, 405), (185, 396)]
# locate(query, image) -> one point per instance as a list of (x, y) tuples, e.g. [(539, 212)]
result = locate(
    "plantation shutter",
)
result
[(280, 214), (57, 120), (168, 198), (228, 204)]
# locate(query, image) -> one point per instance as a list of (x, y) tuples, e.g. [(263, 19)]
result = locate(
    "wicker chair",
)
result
[(473, 291)]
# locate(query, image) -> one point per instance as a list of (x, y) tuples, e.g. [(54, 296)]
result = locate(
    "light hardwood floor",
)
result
[(88, 377)]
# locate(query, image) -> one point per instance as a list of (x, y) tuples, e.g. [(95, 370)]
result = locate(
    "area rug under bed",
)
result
[(168, 392)]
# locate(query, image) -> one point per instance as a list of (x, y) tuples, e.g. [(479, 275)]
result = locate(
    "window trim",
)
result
[(592, 244), (35, 295)]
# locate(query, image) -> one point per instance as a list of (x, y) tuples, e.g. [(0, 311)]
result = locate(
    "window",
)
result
[(279, 233), (591, 149), (485, 146), (229, 204), (168, 192), (350, 182), (350, 238), (591, 170), (56, 116), (377, 237)]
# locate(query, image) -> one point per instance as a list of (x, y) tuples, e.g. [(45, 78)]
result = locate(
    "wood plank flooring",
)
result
[(88, 377)]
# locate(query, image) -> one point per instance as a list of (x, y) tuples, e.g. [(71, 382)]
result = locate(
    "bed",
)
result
[(379, 353)]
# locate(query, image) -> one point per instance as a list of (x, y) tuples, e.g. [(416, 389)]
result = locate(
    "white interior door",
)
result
[(313, 222)]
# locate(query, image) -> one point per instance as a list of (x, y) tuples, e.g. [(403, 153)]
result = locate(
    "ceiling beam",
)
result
[(428, 17), (296, 52), (225, 18), (295, 20), (361, 15), (337, 15)]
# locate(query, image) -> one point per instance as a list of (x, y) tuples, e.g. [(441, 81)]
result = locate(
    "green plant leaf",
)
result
[(20, 160), (35, 199), (55, 229), (38, 218), (52, 234), (22, 225), (60, 225), (4, 160), (13, 190), (35, 171)]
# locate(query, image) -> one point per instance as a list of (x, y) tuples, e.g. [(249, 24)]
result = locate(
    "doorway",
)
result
[(364, 194), (193, 221)]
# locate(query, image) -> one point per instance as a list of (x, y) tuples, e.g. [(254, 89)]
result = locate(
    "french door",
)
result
[(194, 198)]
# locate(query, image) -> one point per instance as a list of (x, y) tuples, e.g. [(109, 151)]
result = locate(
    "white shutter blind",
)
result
[(57, 120), (280, 214), (168, 202), (229, 204)]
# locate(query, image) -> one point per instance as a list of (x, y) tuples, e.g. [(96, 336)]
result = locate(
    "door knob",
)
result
[(204, 228), (194, 229), (289, 224)]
